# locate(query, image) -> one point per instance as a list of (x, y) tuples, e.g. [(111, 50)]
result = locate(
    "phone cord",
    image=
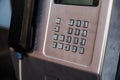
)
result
[(19, 55)]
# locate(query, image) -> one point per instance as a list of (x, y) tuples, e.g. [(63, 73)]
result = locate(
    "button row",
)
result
[(78, 23), (77, 32), (73, 22), (69, 39), (68, 47)]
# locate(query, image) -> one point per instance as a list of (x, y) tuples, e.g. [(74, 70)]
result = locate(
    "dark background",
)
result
[(6, 67)]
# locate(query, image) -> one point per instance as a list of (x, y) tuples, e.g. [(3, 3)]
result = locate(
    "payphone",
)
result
[(70, 39)]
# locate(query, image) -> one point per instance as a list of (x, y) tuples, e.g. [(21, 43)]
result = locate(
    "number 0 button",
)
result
[(74, 49)]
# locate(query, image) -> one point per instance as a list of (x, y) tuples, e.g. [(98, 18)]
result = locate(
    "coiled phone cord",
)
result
[(19, 56)]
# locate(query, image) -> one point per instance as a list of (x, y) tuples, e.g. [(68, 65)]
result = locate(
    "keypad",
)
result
[(75, 38)]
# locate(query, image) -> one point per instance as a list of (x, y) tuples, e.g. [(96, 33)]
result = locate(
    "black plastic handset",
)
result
[(22, 28)]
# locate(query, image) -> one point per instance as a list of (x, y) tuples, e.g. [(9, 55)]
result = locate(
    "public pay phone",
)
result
[(69, 35)]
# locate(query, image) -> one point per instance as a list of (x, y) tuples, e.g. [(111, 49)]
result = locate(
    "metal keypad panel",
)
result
[(75, 40)]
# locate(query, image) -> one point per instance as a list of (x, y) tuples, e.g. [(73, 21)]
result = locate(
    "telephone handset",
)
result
[(22, 28)]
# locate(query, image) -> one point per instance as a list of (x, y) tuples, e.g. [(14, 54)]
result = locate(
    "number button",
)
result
[(55, 36), (54, 45), (71, 22), (60, 46), (67, 47), (77, 23), (68, 39), (57, 29), (58, 20), (77, 32), (74, 49), (61, 37), (81, 50), (84, 33), (76, 40), (83, 42), (85, 24), (70, 30)]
